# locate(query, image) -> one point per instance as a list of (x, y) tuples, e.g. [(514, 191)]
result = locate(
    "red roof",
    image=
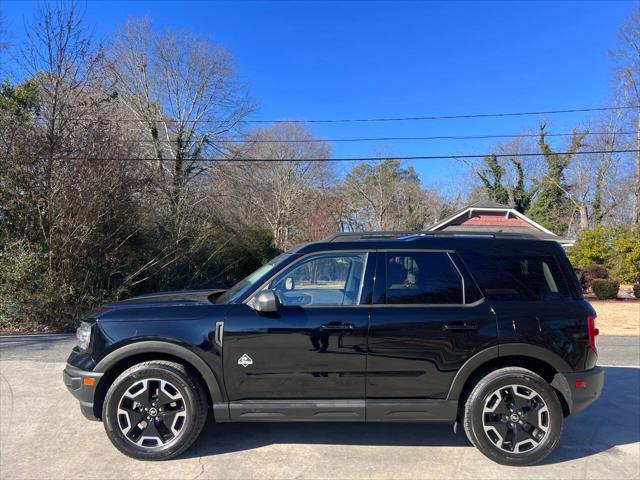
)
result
[(485, 218)]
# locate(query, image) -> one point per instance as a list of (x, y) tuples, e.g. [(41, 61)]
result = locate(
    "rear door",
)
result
[(427, 319), (534, 301)]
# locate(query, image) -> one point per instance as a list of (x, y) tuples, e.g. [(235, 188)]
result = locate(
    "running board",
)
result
[(389, 410), (374, 410), (297, 411)]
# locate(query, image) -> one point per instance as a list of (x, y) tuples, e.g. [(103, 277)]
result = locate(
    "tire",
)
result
[(530, 432), (163, 388)]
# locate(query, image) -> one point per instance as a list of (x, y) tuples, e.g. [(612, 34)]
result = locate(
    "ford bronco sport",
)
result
[(487, 331)]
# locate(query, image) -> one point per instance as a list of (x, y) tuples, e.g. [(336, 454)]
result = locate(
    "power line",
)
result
[(380, 119), (361, 159), (447, 117), (241, 139)]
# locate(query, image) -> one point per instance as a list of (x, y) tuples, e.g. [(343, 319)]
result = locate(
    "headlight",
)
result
[(83, 334)]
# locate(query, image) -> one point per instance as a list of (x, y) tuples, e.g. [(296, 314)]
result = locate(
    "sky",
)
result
[(317, 60)]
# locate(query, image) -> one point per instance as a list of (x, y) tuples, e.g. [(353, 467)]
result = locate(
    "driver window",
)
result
[(325, 279)]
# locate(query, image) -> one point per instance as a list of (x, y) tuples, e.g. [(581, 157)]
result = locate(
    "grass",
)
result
[(617, 318)]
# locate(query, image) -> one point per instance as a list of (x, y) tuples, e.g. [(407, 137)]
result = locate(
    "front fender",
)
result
[(167, 348)]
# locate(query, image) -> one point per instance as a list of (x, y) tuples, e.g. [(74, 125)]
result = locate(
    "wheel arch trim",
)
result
[(162, 347), (508, 350)]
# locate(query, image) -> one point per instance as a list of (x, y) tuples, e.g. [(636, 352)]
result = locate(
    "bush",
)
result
[(21, 285), (34, 298), (593, 246), (592, 272), (605, 289), (625, 258), (636, 290), (616, 248)]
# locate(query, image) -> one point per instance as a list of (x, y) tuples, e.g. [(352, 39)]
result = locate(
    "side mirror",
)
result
[(266, 302)]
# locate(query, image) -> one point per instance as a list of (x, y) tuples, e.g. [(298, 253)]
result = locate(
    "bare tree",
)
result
[(280, 192), (386, 196), (70, 209), (4, 44), (627, 74), (182, 94), (58, 57), (593, 177)]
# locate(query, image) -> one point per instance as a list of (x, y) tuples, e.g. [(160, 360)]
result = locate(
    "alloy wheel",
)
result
[(152, 413), (515, 419)]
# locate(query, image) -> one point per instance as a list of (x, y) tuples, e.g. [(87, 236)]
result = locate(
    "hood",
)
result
[(169, 299), (158, 306)]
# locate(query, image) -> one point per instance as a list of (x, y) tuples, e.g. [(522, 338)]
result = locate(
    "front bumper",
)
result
[(74, 379), (583, 396)]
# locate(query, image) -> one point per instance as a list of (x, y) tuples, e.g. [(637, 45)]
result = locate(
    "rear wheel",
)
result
[(514, 417), (154, 410)]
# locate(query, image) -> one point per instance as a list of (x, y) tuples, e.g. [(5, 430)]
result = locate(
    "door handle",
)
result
[(219, 333), (337, 326), (460, 326)]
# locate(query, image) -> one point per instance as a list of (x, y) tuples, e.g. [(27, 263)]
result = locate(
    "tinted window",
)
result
[(325, 279), (422, 278), (471, 292), (518, 277)]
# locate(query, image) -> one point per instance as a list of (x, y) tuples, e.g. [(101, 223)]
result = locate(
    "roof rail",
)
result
[(347, 236), (350, 236)]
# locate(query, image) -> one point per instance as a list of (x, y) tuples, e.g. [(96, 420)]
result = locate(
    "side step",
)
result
[(373, 410)]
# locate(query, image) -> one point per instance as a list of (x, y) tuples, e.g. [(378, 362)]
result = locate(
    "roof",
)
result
[(484, 241), (470, 229), (390, 239), (489, 206)]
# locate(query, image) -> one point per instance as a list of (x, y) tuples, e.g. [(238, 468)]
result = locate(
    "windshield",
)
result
[(244, 285)]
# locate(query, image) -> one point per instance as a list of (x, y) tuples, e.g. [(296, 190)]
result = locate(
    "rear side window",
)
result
[(571, 275), (518, 277), (471, 292), (422, 278)]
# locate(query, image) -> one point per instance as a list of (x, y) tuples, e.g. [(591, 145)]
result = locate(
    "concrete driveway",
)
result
[(43, 434)]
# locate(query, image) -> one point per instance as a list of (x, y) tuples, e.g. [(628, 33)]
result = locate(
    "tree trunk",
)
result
[(584, 217), (596, 204), (178, 183), (635, 214)]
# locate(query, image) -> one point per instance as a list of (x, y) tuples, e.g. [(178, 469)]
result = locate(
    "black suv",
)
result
[(487, 330)]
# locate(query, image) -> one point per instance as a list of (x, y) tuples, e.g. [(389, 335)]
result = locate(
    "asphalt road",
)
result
[(43, 434)]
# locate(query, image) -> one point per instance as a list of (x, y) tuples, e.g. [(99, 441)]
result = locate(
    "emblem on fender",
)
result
[(245, 360)]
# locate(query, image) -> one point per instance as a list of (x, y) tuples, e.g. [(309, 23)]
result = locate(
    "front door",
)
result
[(309, 358), (428, 318)]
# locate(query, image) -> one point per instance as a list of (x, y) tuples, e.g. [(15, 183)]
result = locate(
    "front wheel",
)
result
[(154, 410), (513, 417)]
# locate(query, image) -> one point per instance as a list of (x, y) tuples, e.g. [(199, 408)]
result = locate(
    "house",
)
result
[(489, 216)]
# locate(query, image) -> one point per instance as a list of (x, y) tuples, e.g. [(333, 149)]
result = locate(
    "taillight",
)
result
[(593, 331)]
